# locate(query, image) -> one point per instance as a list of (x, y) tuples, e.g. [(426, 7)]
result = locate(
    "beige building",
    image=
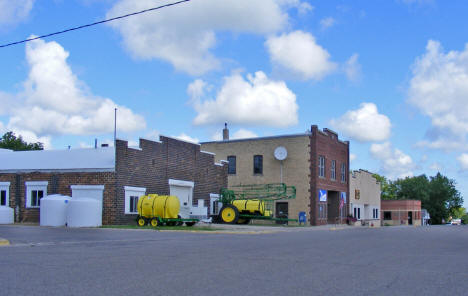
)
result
[(364, 192), (315, 162)]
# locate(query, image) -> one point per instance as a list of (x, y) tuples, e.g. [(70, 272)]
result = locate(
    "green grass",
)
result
[(183, 228)]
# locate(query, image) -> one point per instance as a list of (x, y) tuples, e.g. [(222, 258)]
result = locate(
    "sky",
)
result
[(390, 76)]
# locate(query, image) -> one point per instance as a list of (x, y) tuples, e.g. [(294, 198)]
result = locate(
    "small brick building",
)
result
[(317, 164), (119, 176), (401, 212)]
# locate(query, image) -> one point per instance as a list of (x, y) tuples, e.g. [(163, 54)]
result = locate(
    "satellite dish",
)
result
[(281, 153)]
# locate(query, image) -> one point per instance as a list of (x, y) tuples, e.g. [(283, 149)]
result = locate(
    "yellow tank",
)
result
[(251, 206), (162, 206)]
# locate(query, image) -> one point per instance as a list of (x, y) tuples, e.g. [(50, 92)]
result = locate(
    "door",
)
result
[(185, 197), (410, 218), (281, 212)]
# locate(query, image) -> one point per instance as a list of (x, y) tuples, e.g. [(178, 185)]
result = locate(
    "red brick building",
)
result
[(401, 212), (118, 176)]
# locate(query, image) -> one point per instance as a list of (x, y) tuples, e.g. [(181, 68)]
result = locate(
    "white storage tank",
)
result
[(54, 210), (84, 212), (6, 215)]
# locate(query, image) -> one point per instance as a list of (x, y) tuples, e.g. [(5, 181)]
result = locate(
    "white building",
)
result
[(364, 191)]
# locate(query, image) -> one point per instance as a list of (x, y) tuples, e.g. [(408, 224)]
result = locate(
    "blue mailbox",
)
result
[(302, 218)]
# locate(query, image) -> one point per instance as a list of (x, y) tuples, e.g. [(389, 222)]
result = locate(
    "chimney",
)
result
[(225, 132)]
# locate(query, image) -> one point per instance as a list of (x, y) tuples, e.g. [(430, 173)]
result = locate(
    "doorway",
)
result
[(410, 218), (333, 206), (281, 212)]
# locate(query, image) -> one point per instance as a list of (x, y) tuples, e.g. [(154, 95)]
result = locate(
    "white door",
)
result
[(183, 193)]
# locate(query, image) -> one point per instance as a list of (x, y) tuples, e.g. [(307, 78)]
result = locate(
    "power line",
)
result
[(96, 23)]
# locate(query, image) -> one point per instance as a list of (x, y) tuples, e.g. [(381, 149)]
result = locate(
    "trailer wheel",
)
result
[(179, 223), (154, 222), (141, 221), (229, 214), (190, 223)]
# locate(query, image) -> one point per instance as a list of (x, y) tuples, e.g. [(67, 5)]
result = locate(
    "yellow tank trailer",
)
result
[(159, 210)]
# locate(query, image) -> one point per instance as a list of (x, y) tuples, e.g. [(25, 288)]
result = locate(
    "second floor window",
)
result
[(321, 166), (231, 164), (258, 164), (333, 170), (343, 173)]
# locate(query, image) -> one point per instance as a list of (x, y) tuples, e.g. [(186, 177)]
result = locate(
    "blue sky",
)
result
[(390, 76)]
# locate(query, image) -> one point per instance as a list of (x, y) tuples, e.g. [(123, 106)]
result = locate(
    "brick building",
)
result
[(117, 176), (401, 212), (317, 165)]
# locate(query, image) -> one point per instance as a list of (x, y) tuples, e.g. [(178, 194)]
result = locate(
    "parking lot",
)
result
[(312, 261)]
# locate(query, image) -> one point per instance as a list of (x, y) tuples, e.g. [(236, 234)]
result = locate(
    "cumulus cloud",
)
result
[(54, 101), (352, 157), (463, 161), (327, 22), (12, 12), (255, 101), (365, 124), (352, 68), (185, 35), (439, 88), (299, 54), (394, 163), (187, 138)]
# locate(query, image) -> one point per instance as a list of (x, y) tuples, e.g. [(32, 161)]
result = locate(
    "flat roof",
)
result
[(86, 159), (258, 138)]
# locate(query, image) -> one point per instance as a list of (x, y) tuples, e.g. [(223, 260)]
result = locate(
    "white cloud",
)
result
[(184, 35), (12, 12), (54, 101), (352, 68), (187, 138), (365, 124), (299, 54), (394, 163), (435, 167), (327, 22), (243, 134), (463, 161), (352, 157), (255, 101), (439, 88)]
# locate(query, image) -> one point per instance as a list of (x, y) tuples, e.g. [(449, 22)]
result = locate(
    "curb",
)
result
[(4, 242)]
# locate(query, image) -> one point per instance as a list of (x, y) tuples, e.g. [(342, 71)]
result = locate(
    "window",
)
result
[(375, 213), (258, 165), (231, 164), (132, 194), (4, 193), (357, 213), (333, 170), (357, 194), (321, 166), (35, 190), (343, 172), (387, 215), (322, 211)]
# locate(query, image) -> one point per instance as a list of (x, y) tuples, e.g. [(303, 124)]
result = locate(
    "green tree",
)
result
[(413, 188), (458, 213), (388, 189), (10, 141), (443, 198)]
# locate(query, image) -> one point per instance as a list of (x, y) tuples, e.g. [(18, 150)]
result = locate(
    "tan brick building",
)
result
[(317, 164), (364, 197)]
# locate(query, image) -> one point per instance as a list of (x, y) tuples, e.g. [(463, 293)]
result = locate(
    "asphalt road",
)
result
[(386, 261)]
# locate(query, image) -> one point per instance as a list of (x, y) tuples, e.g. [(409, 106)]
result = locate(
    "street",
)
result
[(353, 261)]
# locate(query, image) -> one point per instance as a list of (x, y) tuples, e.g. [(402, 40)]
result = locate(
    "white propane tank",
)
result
[(6, 215), (54, 210), (84, 212)]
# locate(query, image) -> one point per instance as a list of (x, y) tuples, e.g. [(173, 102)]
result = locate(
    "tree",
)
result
[(458, 213), (388, 189), (443, 198), (413, 188), (10, 141)]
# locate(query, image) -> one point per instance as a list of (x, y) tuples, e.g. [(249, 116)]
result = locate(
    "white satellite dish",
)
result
[(281, 153)]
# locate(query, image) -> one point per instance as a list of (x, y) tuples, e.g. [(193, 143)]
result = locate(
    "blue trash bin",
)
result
[(302, 218)]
